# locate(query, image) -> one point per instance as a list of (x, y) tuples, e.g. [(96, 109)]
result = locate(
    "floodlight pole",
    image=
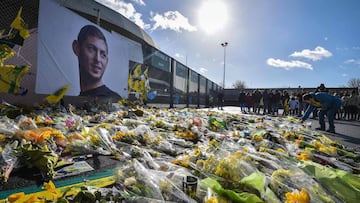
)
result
[(224, 44), (97, 16)]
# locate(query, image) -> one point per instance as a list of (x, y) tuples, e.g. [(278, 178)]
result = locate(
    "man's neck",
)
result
[(89, 86)]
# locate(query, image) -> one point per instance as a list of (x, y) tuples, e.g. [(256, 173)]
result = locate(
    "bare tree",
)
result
[(239, 84), (354, 82)]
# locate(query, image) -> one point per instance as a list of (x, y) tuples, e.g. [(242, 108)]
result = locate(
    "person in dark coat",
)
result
[(220, 99)]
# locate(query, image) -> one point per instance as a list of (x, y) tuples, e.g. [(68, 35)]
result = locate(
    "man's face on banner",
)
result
[(93, 58)]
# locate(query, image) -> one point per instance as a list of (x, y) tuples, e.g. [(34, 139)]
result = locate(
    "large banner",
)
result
[(75, 51)]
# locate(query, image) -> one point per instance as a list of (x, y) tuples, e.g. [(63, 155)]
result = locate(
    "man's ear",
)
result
[(75, 47)]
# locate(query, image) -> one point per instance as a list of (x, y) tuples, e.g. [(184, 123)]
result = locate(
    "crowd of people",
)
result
[(270, 101), (315, 104)]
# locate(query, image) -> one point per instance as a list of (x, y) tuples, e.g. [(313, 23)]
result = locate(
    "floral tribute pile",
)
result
[(179, 155)]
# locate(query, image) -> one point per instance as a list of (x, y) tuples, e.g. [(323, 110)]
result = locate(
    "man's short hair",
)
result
[(90, 30)]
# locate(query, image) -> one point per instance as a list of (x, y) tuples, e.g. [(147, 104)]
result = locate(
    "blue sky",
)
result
[(271, 43)]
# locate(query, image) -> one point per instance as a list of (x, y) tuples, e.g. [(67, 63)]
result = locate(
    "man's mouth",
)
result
[(96, 69)]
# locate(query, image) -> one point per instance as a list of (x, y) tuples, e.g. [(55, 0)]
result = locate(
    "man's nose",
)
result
[(98, 56)]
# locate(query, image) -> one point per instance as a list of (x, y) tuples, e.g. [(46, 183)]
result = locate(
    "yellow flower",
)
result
[(165, 185), (280, 173), (333, 149), (197, 152), (257, 138), (34, 199), (43, 136), (226, 168), (262, 149), (318, 144), (157, 140), (38, 119), (2, 137), (238, 154), (297, 197), (280, 150), (236, 133), (48, 120), (303, 156), (308, 149), (212, 200), (16, 196), (324, 149), (214, 143), (179, 162), (146, 138), (50, 187)]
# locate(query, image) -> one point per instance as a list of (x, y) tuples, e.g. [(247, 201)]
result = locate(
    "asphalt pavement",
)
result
[(347, 132)]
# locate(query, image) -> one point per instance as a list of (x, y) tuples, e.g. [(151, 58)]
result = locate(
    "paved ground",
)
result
[(347, 132)]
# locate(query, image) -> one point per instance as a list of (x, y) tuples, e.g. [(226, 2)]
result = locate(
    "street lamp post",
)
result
[(224, 44)]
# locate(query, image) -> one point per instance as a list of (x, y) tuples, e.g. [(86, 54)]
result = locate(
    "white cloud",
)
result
[(287, 65), (352, 61), (344, 75), (140, 2), (177, 55), (317, 54), (172, 20), (203, 70), (127, 10)]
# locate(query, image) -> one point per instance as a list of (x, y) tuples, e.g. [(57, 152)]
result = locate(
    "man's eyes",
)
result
[(103, 54), (94, 49), (91, 48)]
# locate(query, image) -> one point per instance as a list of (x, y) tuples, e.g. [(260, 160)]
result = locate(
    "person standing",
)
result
[(285, 103), (91, 50), (257, 97), (242, 100), (265, 97), (276, 102), (301, 103), (270, 102), (328, 105), (353, 102), (220, 100), (345, 98), (294, 105), (249, 102)]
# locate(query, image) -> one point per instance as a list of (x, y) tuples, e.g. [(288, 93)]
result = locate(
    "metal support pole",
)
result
[(97, 16), (224, 45)]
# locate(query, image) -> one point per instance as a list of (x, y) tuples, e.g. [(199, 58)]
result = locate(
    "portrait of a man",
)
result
[(93, 60), (91, 49)]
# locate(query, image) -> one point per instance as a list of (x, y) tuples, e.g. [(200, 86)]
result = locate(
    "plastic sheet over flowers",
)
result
[(186, 155)]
